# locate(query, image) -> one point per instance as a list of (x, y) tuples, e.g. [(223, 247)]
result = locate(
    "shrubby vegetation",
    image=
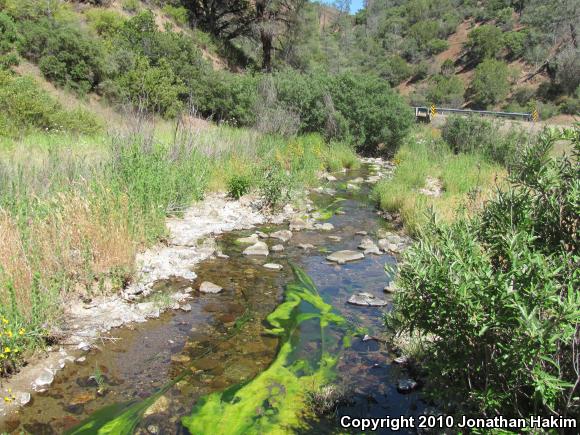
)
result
[(485, 137), (24, 106), (495, 296)]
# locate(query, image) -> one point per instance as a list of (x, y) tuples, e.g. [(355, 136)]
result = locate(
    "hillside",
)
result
[(491, 54)]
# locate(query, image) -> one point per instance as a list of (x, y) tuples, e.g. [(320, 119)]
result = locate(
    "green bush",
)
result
[(446, 90), (437, 46), (132, 6), (447, 67), (106, 23), (394, 70), (65, 54), (9, 38), (153, 88), (499, 294), (179, 14), (23, 105), (478, 135), (274, 185), (484, 42), (238, 186), (490, 83), (375, 114), (515, 43)]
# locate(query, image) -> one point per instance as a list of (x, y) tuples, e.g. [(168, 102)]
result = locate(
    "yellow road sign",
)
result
[(535, 115), (433, 110)]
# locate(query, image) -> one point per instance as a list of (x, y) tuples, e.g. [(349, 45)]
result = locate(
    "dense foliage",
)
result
[(496, 296)]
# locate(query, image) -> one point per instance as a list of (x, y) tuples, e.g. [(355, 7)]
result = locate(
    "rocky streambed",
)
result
[(206, 296)]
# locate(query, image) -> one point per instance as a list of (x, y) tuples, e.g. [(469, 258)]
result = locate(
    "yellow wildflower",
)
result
[(9, 333), (7, 350), (4, 320), (21, 331)]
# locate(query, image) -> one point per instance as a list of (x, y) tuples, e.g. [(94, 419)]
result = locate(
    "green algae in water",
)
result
[(330, 210), (274, 402), (120, 418)]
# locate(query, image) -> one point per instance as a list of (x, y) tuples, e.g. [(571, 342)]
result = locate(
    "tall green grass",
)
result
[(461, 175)]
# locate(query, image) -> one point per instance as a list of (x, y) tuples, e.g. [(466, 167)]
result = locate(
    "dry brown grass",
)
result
[(79, 243)]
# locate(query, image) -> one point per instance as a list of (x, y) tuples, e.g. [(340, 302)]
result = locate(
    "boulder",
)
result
[(369, 247), (305, 246), (342, 257), (209, 287), (277, 248), (283, 235), (366, 300), (259, 248)]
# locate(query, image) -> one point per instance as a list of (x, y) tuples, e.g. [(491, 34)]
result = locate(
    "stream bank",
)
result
[(133, 363)]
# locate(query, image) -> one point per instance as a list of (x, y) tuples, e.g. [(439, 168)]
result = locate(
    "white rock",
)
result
[(369, 247), (283, 235), (186, 308), (277, 248), (259, 248), (306, 246), (44, 380), (342, 257), (209, 287), (84, 346), (366, 300), (327, 226), (273, 266), (23, 397)]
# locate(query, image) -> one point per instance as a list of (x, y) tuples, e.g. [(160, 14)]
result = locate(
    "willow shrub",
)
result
[(498, 293)]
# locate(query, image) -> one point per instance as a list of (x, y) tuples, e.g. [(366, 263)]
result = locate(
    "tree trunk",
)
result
[(267, 44)]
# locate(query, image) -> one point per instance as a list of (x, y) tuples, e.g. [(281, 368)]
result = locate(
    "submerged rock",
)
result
[(391, 288), (273, 266), (369, 247), (327, 226), (366, 300), (283, 235), (361, 233), (160, 406), (298, 224), (342, 257), (23, 397), (260, 248), (209, 287), (335, 238), (407, 385), (44, 380), (248, 240), (306, 246)]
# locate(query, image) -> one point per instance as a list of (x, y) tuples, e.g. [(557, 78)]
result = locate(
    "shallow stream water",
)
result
[(135, 362)]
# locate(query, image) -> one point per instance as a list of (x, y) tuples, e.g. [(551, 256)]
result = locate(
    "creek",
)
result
[(222, 343)]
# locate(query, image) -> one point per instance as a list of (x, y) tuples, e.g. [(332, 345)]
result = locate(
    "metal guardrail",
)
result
[(424, 112)]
